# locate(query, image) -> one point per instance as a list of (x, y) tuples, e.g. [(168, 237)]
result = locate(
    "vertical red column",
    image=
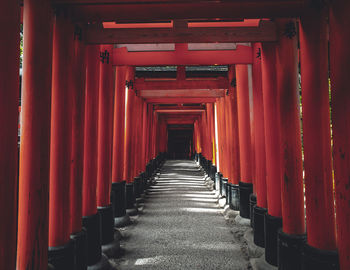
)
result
[(77, 78), (91, 218), (118, 182), (339, 63), (245, 150), (61, 254), (33, 205), (233, 123), (129, 159), (317, 138), (260, 156), (9, 93), (144, 134), (273, 218), (104, 153), (292, 196)]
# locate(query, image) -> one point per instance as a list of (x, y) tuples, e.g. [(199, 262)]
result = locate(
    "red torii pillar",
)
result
[(339, 63), (61, 251), (34, 171), (320, 219), (77, 77), (144, 135), (260, 155), (91, 217), (9, 93), (104, 153), (292, 196), (245, 185), (210, 111), (233, 136), (273, 218), (129, 159), (118, 181)]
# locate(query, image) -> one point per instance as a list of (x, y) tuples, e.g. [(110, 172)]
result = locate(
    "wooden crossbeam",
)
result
[(181, 93), (242, 55), (142, 11), (185, 100), (265, 32), (166, 85)]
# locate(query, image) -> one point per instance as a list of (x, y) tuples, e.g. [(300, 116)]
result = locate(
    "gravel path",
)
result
[(180, 227)]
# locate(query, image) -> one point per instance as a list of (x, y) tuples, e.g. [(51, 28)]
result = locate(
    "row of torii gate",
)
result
[(84, 137)]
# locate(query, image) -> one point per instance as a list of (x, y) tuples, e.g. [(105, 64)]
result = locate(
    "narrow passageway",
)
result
[(181, 226)]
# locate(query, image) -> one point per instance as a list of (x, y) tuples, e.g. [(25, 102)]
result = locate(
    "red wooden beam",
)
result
[(242, 55), (266, 31), (181, 93), (142, 84), (180, 100), (107, 10)]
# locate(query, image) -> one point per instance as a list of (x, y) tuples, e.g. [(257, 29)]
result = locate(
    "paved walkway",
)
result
[(181, 226)]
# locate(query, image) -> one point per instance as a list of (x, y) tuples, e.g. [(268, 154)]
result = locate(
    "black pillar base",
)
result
[(123, 221), (137, 184), (92, 224), (118, 199), (107, 224), (314, 258), (223, 186), (272, 225), (217, 181), (289, 251), (62, 257), (259, 226), (252, 203), (228, 194), (131, 209), (80, 249), (234, 205), (245, 189)]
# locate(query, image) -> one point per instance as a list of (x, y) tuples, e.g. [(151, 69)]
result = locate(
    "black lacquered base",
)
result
[(107, 224), (272, 225), (131, 209), (137, 184), (218, 181), (245, 189), (224, 186), (62, 257), (118, 199), (92, 224), (289, 251), (234, 205), (252, 203), (102, 264), (123, 221), (259, 226), (314, 258), (228, 194), (80, 249)]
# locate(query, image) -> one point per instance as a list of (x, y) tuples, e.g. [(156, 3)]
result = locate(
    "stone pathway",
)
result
[(181, 227)]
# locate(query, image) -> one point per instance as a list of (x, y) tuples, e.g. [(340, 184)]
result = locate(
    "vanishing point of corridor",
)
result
[(181, 226)]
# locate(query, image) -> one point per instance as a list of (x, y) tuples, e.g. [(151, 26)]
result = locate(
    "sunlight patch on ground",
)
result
[(152, 261)]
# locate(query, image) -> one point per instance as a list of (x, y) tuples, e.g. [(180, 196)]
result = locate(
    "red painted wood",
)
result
[(61, 132), (128, 158), (105, 127), (91, 130), (179, 100), (33, 206), (244, 123), (242, 55), (119, 125), (9, 92), (272, 130), (78, 78), (222, 136), (291, 165), (210, 109), (316, 131), (340, 59), (144, 136), (259, 131), (228, 139)]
